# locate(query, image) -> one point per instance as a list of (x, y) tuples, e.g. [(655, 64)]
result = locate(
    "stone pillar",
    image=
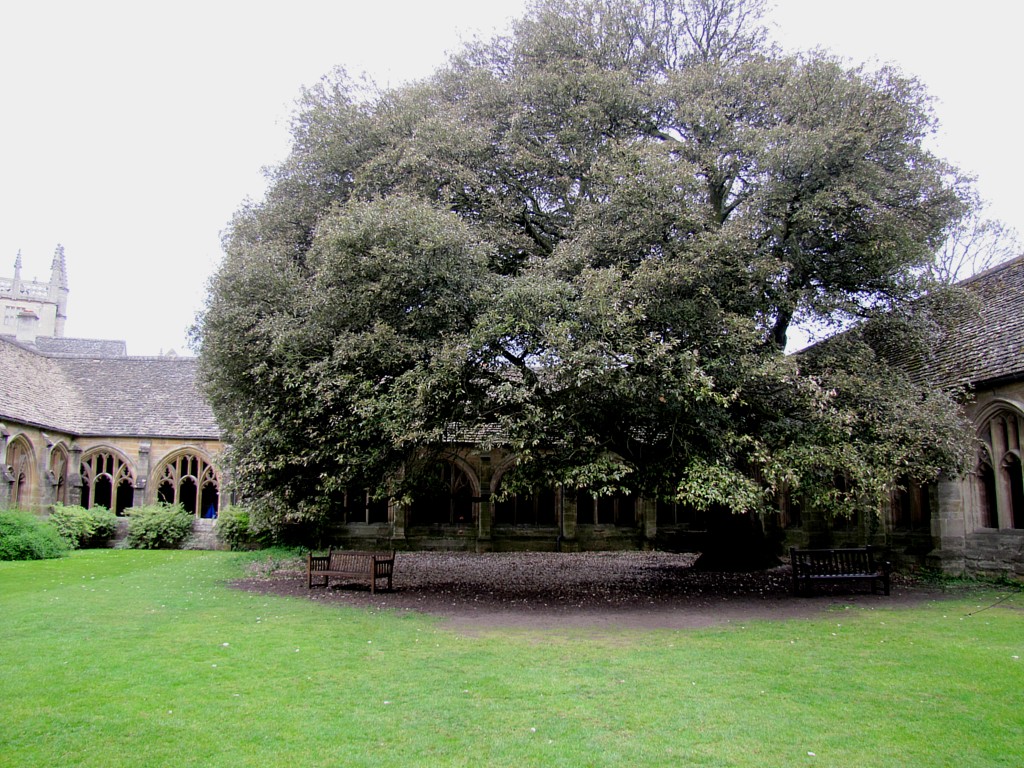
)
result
[(483, 508), (397, 513), (949, 525), (6, 479), (142, 477), (997, 434), (566, 501), (648, 518), (6, 484), (74, 480)]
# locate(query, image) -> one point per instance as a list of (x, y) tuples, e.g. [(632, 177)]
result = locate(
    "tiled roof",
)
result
[(81, 347), (988, 344), (34, 389), (116, 396)]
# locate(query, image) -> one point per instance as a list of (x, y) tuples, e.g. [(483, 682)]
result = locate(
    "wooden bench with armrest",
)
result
[(361, 566), (849, 564)]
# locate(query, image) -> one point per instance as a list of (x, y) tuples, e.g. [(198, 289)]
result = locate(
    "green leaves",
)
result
[(588, 241)]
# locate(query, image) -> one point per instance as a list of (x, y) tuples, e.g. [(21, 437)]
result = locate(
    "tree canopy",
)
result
[(589, 239)]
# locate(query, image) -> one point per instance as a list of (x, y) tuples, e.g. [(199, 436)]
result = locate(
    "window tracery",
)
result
[(448, 500), (190, 480), (107, 481), (19, 459), (999, 474), (59, 474)]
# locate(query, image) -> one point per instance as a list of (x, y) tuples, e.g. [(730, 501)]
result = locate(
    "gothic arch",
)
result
[(451, 497), (20, 464), (539, 508), (108, 479), (189, 477), (999, 474), (57, 473)]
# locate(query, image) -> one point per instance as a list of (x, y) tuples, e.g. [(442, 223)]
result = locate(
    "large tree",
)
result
[(590, 236)]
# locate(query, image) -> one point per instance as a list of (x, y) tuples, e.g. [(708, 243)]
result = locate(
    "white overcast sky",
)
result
[(131, 131)]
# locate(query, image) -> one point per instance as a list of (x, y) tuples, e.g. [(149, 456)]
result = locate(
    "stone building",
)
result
[(976, 523), (82, 422), (47, 302)]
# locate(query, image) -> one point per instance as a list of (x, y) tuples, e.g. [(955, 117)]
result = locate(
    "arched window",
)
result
[(190, 480), (606, 510), (361, 507), (987, 506), (527, 509), (911, 507), (1014, 479), (1000, 481), (107, 481), (446, 498), (673, 513), (19, 459), (59, 474)]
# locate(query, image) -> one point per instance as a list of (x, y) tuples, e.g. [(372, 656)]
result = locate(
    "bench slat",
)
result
[(810, 565), (368, 566)]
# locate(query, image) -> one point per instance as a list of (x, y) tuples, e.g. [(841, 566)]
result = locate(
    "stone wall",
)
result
[(41, 487)]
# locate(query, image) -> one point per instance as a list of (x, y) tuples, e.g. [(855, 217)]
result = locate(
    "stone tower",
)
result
[(34, 308)]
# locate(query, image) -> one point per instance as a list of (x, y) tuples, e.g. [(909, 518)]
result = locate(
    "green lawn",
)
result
[(135, 658)]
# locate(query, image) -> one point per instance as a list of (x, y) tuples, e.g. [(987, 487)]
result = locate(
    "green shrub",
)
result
[(234, 529), (23, 536), (81, 527), (158, 526)]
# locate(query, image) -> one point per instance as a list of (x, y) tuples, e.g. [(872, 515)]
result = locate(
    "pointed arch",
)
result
[(536, 509), (108, 479), (1000, 478), (190, 478), (449, 498), (1013, 477), (988, 510), (58, 472), (20, 461)]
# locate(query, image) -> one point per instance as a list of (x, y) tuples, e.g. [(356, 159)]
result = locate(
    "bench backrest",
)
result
[(838, 562), (377, 563)]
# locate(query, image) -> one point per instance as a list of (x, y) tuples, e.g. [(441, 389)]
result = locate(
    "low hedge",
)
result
[(23, 536), (158, 526), (234, 528), (81, 527)]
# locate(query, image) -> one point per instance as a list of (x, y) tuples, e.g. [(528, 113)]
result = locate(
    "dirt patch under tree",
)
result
[(605, 590)]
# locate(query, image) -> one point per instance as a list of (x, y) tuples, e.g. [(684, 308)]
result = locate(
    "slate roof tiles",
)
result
[(987, 345), (113, 395)]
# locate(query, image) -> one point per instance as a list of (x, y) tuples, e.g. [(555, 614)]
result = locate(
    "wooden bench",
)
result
[(363, 566), (851, 564)]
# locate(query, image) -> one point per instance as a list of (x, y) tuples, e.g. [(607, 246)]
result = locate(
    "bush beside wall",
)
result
[(158, 526), (233, 528), (81, 527), (23, 536)]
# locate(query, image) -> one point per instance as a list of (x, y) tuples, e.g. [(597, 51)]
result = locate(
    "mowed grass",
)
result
[(134, 658)]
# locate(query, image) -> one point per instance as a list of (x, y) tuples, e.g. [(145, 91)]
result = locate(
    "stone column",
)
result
[(483, 508), (397, 513), (6, 480), (997, 435), (142, 477), (566, 502), (949, 525), (74, 480), (648, 518)]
